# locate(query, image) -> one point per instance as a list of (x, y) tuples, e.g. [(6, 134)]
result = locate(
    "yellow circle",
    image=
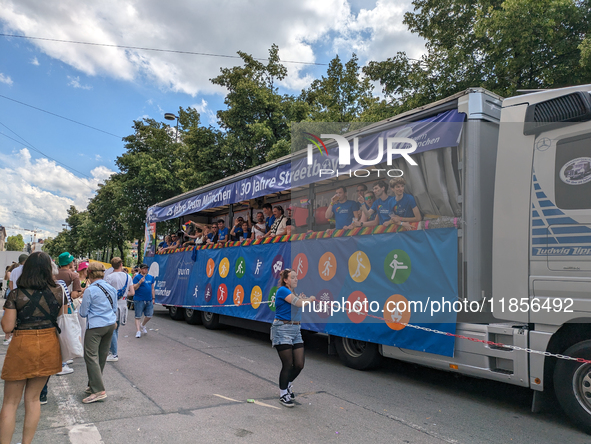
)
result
[(359, 266), (397, 312), (256, 297), (327, 266), (224, 267)]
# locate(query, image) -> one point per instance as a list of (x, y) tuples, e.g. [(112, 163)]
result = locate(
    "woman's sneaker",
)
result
[(290, 392), (112, 358), (286, 400)]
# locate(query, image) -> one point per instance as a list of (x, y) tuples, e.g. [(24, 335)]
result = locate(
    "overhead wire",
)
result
[(61, 117), (140, 48)]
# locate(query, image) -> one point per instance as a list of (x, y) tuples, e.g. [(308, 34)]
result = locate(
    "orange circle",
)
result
[(327, 266), (300, 265), (392, 315), (238, 295), (210, 267), (357, 314)]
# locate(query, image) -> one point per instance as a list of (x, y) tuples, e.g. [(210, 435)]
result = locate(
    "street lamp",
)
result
[(171, 116)]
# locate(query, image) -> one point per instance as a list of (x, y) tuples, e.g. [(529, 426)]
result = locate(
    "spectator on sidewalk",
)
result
[(16, 272), (143, 300), (121, 281), (34, 353), (99, 306)]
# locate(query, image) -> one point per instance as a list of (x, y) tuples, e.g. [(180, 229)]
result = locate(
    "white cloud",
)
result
[(35, 61), (40, 191), (207, 115), (97, 157), (298, 27), (5, 79), (75, 83)]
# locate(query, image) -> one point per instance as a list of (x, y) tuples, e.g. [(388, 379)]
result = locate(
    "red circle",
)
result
[(355, 314), (222, 293), (300, 265)]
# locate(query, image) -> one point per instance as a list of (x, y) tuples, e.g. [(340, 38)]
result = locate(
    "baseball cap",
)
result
[(65, 258), (82, 266)]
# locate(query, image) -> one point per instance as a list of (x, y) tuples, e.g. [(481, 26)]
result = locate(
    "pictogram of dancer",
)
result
[(327, 267), (221, 297), (300, 269), (259, 263), (359, 265), (395, 266)]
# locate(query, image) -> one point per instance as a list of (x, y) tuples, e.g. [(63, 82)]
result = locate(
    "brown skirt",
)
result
[(32, 354)]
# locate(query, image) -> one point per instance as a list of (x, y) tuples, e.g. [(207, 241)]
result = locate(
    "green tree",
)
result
[(343, 95), (15, 243), (500, 45)]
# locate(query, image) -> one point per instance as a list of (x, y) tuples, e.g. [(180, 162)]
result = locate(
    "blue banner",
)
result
[(443, 130), (383, 274)]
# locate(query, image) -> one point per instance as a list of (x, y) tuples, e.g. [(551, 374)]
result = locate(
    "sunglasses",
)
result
[(368, 198)]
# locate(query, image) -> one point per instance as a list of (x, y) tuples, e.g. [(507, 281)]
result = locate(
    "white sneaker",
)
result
[(144, 330), (138, 334), (7, 341), (70, 361), (112, 358), (65, 370)]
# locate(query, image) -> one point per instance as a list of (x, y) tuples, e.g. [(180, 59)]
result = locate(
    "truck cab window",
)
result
[(572, 173)]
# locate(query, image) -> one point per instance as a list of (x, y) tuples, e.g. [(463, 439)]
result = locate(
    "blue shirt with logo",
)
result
[(269, 221), (223, 234), (383, 208), (144, 292), (343, 213), (404, 206)]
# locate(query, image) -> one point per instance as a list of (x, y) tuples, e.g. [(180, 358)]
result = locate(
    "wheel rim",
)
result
[(189, 312), (173, 311), (582, 386), (354, 347), (207, 316)]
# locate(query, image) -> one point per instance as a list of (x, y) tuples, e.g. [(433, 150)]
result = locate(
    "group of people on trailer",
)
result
[(372, 208)]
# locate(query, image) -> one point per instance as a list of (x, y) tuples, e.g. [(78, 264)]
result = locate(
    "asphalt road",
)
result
[(185, 384)]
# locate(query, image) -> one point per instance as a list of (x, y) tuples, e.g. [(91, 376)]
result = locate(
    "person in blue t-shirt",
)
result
[(246, 233), (237, 233), (372, 221), (223, 232), (344, 210), (381, 206), (286, 334), (269, 216), (143, 299), (404, 208)]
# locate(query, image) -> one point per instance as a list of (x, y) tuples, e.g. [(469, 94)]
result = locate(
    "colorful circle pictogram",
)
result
[(222, 294), (256, 267), (277, 265), (238, 297), (327, 266), (359, 266), (359, 305), (210, 267), (208, 292), (271, 298), (396, 310), (240, 267), (397, 266), (224, 267), (322, 304), (256, 297), (300, 265)]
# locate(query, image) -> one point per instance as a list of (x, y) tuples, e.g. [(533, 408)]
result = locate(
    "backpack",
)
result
[(122, 291)]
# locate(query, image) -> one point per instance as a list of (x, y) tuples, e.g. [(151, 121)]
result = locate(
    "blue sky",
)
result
[(108, 88)]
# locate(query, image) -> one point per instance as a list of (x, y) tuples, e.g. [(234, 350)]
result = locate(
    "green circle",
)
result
[(271, 298), (240, 267), (403, 260)]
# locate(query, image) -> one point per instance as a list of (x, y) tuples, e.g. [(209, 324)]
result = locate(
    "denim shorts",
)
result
[(143, 307), (285, 334)]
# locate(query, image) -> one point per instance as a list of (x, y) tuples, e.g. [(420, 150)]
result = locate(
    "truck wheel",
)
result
[(572, 385), (359, 355), (193, 317), (211, 321), (176, 313)]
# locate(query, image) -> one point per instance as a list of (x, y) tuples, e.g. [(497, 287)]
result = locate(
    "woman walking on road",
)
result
[(34, 353), (286, 334), (99, 306)]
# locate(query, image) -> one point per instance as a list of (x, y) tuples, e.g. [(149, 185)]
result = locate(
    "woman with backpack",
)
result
[(30, 312)]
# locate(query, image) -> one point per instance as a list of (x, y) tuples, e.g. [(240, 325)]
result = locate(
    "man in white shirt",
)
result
[(16, 273), (123, 283)]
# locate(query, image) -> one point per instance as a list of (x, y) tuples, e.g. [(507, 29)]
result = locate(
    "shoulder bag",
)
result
[(71, 333)]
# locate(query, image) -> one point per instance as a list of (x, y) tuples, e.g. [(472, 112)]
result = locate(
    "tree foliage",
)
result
[(15, 243)]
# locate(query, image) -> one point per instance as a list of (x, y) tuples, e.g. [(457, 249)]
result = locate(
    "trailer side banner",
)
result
[(387, 279)]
